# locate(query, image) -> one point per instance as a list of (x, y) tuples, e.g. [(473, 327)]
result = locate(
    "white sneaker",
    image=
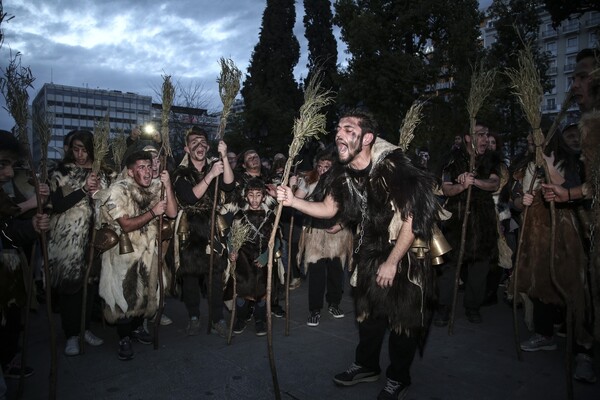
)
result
[(92, 339), (164, 320), (72, 346)]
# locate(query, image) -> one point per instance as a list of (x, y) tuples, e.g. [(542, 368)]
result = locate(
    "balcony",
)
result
[(548, 108), (569, 68), (571, 26), (552, 70), (549, 33), (593, 21)]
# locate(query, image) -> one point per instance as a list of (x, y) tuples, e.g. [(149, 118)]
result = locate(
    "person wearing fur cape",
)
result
[(16, 232), (129, 282), (195, 182), (72, 184), (586, 91), (392, 202)]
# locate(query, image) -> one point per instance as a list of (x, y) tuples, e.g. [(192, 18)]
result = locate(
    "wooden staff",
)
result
[(310, 124), (229, 86), (14, 88), (168, 93), (481, 86), (289, 269)]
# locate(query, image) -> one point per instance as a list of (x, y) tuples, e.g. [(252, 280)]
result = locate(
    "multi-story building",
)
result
[(562, 44), (68, 108)]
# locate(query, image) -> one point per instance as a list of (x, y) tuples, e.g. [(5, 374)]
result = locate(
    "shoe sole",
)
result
[(278, 315), (128, 358), (545, 348), (338, 315), (372, 378), (312, 324), (146, 342), (585, 380), (261, 333)]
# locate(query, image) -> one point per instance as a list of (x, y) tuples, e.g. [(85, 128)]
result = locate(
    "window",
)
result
[(572, 44), (593, 39), (552, 84), (551, 47), (568, 83), (570, 62)]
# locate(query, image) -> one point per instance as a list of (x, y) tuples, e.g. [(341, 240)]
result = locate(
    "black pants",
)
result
[(325, 274), (9, 333), (402, 349), (190, 287), (127, 325), (475, 285), (70, 311)]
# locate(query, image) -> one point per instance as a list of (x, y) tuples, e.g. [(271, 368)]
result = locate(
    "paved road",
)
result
[(478, 362)]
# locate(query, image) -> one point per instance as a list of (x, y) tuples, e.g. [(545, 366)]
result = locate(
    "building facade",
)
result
[(67, 108)]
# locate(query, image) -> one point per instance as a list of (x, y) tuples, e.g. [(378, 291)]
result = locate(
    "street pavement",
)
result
[(477, 362)]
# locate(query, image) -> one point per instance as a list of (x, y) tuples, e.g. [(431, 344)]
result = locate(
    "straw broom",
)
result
[(526, 85), (410, 122), (240, 233), (168, 94), (229, 86), (482, 82), (310, 124), (14, 88), (101, 136), (118, 148)]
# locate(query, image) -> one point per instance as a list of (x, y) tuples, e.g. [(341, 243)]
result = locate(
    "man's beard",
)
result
[(351, 154)]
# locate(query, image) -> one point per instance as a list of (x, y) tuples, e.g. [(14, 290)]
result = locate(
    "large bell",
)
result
[(439, 246), (125, 246), (183, 229), (167, 230), (221, 225), (105, 239), (420, 248)]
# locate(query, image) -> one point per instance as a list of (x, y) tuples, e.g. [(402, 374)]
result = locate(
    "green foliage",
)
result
[(560, 10), (271, 95)]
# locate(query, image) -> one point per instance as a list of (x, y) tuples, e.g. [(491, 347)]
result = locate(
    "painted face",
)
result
[(251, 161), (581, 84), (348, 139), (481, 139), (492, 143), (197, 147), (141, 172), (80, 153), (323, 166), (254, 197), (6, 167), (155, 165), (572, 138)]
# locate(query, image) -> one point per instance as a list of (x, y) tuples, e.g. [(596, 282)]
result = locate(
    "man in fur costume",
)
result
[(481, 247), (15, 232), (129, 282), (195, 183), (586, 91), (252, 258), (392, 202)]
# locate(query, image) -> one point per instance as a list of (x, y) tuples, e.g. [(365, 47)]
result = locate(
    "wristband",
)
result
[(204, 179), (152, 212), (83, 189)]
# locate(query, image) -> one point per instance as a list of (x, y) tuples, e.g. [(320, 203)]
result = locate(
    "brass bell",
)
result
[(167, 230), (125, 246), (183, 229), (420, 248), (221, 225), (439, 246), (105, 239)]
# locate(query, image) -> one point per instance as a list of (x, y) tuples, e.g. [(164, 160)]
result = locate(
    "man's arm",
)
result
[(490, 184), (387, 271), (325, 209)]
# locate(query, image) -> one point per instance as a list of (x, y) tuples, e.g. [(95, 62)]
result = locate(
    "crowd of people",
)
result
[(145, 232)]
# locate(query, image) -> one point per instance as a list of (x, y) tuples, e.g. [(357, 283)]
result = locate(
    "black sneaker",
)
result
[(14, 372), (141, 336), (125, 349), (239, 326), (336, 311), (277, 311), (261, 328), (393, 390), (355, 374), (313, 318)]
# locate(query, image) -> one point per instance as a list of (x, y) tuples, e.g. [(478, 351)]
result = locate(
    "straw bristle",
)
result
[(43, 124), (168, 94), (118, 147), (17, 79), (229, 86), (482, 83), (240, 233), (101, 135), (410, 122)]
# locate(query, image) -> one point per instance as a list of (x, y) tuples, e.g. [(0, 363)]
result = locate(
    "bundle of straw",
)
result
[(118, 147), (42, 124), (410, 122), (168, 94), (229, 86), (14, 86), (101, 135), (240, 233)]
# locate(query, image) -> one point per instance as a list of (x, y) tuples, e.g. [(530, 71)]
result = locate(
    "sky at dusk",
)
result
[(129, 45)]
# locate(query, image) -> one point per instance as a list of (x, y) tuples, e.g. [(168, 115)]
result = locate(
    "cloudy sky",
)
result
[(128, 45)]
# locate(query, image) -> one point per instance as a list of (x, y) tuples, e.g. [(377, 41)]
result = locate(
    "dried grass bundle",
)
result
[(311, 123), (482, 83), (229, 86), (42, 124), (118, 148), (168, 94), (240, 233), (17, 79), (101, 135), (527, 86), (410, 122)]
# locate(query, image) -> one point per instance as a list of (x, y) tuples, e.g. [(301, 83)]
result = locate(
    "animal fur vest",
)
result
[(129, 282), (378, 200)]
